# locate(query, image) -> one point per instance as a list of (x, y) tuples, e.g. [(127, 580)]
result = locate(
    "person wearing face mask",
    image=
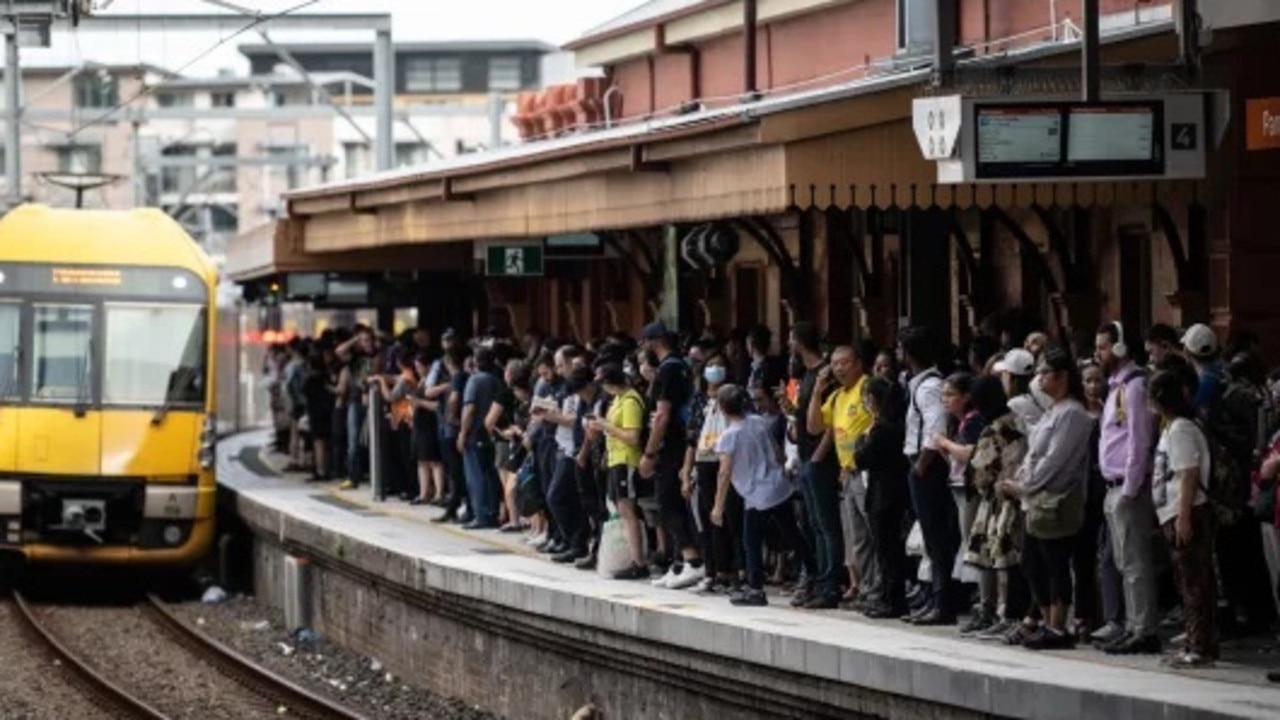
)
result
[(698, 477)]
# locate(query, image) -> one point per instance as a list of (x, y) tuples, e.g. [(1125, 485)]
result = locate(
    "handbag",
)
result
[(1053, 515)]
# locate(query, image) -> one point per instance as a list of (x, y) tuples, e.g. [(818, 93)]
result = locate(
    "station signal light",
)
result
[(272, 297)]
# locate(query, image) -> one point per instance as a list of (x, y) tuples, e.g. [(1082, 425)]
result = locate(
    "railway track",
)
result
[(119, 702), (208, 666)]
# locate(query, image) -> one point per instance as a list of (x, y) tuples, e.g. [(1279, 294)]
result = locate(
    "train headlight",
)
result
[(172, 534), (208, 442)]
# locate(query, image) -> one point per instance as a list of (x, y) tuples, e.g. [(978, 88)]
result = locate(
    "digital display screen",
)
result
[(1113, 133), (101, 281), (87, 276), (1019, 135), (347, 292), (1069, 140), (305, 285)]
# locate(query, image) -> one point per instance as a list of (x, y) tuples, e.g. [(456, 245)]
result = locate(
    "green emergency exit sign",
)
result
[(513, 261)]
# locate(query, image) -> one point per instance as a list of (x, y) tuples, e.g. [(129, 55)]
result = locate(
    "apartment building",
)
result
[(218, 152)]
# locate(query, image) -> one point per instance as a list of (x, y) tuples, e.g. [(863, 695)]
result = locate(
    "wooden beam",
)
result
[(640, 164)]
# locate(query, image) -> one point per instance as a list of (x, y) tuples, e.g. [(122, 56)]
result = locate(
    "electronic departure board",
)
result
[(1066, 139), (1019, 135), (1124, 133)]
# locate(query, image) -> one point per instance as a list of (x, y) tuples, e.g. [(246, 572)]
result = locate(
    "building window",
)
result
[(178, 178), (222, 100), (80, 159), (425, 75), (410, 154), (355, 159), (504, 73), (224, 219), (173, 100), (97, 90)]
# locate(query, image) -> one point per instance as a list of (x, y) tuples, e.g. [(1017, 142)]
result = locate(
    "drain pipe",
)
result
[(749, 25)]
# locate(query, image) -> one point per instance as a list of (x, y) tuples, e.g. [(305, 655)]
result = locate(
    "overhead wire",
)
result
[(146, 90)]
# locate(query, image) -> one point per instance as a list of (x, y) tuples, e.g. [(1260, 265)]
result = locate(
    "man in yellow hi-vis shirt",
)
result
[(844, 418)]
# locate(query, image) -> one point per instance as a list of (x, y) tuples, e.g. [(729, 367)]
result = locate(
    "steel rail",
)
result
[(296, 700), (126, 704)]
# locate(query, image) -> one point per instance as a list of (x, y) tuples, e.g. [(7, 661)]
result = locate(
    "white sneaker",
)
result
[(536, 540), (688, 577), (665, 580)]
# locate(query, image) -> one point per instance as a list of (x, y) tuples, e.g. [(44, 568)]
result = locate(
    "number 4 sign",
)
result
[(1184, 136)]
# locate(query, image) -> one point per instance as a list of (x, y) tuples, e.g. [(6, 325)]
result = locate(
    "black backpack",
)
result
[(1228, 489)]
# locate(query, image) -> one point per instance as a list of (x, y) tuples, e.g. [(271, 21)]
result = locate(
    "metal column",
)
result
[(12, 134), (384, 79), (1090, 57)]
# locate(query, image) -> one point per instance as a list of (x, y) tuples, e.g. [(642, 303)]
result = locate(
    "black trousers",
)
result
[(591, 496), (1047, 564), (935, 508), (890, 552), (719, 545), (673, 511), (454, 473)]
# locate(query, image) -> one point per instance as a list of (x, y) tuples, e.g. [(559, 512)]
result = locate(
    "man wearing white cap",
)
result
[(1201, 346)]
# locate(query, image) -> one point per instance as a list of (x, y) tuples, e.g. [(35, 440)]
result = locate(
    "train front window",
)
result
[(62, 357), (10, 350), (155, 355)]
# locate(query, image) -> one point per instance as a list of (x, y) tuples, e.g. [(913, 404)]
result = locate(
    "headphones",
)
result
[(1119, 349)]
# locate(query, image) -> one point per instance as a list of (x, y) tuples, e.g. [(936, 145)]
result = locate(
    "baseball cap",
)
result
[(654, 331), (1016, 362), (1200, 341)]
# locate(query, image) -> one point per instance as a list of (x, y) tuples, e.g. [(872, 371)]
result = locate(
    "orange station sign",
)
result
[(1262, 116)]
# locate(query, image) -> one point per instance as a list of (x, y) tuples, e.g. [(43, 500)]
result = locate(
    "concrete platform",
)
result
[(850, 665)]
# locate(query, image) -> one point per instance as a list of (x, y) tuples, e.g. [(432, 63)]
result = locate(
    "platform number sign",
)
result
[(1184, 136), (513, 261)]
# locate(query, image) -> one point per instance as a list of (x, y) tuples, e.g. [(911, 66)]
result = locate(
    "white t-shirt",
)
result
[(566, 437), (1181, 446)]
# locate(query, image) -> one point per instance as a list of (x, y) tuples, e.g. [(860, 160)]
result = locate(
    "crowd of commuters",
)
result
[(1011, 488)]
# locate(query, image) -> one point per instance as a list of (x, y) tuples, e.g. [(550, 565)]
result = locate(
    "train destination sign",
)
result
[(1130, 136), (91, 281)]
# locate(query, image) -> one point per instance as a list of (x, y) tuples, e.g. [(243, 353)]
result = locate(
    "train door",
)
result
[(10, 382), (59, 432)]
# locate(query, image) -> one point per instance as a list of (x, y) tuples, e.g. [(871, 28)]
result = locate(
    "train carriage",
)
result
[(107, 426)]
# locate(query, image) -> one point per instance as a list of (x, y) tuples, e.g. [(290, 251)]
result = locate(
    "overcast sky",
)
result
[(555, 21)]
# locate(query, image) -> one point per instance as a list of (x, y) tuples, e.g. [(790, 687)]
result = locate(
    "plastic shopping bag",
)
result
[(614, 555)]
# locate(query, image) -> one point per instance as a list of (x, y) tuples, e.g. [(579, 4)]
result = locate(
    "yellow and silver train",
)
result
[(107, 428)]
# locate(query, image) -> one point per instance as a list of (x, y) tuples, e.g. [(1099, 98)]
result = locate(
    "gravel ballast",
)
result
[(360, 683), (136, 654), (33, 685)]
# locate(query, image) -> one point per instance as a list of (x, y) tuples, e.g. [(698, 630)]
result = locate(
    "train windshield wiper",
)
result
[(173, 394)]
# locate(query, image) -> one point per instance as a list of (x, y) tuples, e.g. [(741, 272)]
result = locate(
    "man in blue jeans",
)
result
[(478, 456)]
